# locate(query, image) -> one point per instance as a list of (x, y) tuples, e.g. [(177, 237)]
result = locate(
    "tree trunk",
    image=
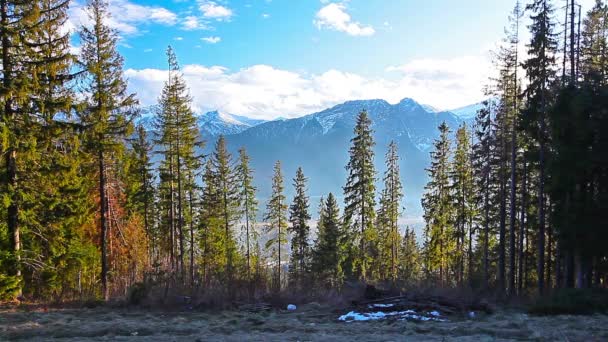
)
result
[(503, 217), (191, 235), (104, 226), (180, 216), (486, 237), (522, 228), (512, 211), (11, 155)]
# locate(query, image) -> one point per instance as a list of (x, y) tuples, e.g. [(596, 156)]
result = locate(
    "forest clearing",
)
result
[(311, 322), (230, 196)]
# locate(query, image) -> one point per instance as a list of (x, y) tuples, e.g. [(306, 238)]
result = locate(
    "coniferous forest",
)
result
[(95, 206)]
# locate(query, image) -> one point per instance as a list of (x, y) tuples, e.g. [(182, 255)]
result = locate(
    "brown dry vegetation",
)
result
[(310, 322)]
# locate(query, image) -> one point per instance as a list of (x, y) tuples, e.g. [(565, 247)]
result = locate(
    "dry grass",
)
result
[(312, 322)]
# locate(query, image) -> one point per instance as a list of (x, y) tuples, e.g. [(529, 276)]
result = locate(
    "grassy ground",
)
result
[(308, 323)]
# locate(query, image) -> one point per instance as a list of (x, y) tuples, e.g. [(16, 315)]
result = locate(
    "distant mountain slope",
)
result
[(217, 123), (468, 112), (211, 124), (320, 142)]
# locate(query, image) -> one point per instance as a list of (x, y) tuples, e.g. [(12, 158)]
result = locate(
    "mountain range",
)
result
[(319, 143)]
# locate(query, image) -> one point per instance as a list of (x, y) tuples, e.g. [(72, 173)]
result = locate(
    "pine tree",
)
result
[(299, 217), (141, 192), (514, 94), (326, 260), (463, 190), (574, 174), (225, 179), (210, 227), (16, 91), (276, 220), (359, 195), (108, 107), (179, 137), (482, 163), (409, 258), (541, 73), (391, 209), (249, 204), (438, 211)]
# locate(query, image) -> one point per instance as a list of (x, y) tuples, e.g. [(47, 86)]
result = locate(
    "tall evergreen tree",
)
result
[(179, 137), (141, 190), (391, 209), (326, 260), (108, 107), (276, 219), (359, 194), (540, 70), (248, 203), (463, 190), (299, 218), (409, 258), (225, 179), (438, 211), (514, 93), (15, 19)]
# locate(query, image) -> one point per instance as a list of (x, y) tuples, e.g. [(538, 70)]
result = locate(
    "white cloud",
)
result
[(213, 10), (125, 16), (265, 15), (194, 23), (334, 16), (178, 38), (265, 92), (211, 40)]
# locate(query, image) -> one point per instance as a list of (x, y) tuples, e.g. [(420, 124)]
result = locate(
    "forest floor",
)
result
[(308, 323)]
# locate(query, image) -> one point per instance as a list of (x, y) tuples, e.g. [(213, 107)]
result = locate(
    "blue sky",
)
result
[(269, 58)]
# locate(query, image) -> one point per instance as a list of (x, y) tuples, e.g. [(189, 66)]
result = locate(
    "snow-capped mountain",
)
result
[(211, 124), (319, 143), (468, 112), (218, 123)]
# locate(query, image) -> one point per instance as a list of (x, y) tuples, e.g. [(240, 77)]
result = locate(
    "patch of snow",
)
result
[(381, 305), (401, 315)]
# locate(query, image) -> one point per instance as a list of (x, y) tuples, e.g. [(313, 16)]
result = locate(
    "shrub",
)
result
[(572, 302), (137, 293)]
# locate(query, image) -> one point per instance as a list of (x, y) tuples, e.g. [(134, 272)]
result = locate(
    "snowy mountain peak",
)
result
[(467, 112), (217, 123)]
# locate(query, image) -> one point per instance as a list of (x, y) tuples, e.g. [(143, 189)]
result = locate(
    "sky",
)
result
[(286, 58)]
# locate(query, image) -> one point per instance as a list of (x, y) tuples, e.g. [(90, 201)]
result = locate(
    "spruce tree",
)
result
[(438, 211), (299, 218), (210, 227), (226, 185), (179, 136), (514, 94), (409, 258), (540, 70), (391, 209), (141, 192), (108, 108), (248, 204), (326, 260), (359, 195), (16, 91), (276, 222), (463, 190)]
